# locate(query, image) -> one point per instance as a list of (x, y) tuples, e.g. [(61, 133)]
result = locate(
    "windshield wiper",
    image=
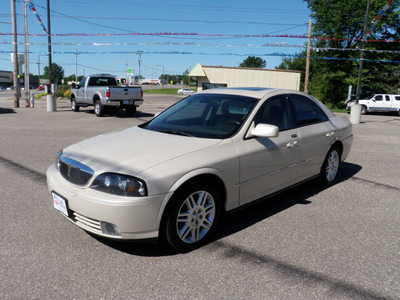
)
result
[(176, 132)]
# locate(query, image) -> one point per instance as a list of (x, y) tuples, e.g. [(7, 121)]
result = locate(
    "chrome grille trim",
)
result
[(74, 171), (86, 222)]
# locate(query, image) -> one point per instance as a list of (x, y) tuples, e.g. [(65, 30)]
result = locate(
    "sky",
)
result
[(98, 36)]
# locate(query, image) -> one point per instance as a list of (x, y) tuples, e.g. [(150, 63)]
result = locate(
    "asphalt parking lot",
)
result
[(341, 242)]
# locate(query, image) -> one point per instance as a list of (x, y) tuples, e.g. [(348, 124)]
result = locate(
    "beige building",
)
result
[(214, 77)]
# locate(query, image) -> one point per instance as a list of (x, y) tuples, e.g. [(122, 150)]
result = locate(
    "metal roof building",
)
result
[(216, 77)]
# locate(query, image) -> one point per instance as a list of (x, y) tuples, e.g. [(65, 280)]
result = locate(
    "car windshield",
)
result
[(204, 115)]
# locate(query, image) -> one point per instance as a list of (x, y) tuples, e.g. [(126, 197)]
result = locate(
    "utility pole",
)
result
[(26, 78), (308, 57), (49, 43), (362, 54), (355, 112), (51, 96), (15, 54)]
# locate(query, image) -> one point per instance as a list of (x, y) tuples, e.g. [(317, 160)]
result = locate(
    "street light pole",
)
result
[(140, 62), (39, 65), (163, 75)]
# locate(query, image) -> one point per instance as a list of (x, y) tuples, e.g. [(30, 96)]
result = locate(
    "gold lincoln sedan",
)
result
[(175, 176)]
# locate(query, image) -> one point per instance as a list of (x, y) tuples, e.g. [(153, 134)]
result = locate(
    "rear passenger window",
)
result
[(305, 111), (397, 98)]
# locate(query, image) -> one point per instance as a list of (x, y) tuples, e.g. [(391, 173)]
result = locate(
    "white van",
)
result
[(378, 103)]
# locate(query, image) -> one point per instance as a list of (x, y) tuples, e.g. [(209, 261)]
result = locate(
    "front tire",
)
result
[(331, 166), (193, 216), (98, 108), (74, 105)]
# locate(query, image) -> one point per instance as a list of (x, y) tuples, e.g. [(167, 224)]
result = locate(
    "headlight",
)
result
[(58, 159), (118, 184)]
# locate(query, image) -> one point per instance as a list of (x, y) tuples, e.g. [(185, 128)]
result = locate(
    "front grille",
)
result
[(74, 171)]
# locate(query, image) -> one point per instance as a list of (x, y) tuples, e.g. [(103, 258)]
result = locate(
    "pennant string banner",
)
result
[(284, 45), (203, 35), (33, 9), (381, 13), (211, 54)]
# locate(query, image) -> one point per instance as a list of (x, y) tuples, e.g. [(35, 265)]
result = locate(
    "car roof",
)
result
[(259, 93), (255, 92)]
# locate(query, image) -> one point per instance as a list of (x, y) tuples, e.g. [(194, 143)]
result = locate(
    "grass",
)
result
[(335, 109), (339, 110), (162, 91)]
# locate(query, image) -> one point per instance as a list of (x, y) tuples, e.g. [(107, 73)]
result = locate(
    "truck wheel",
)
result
[(363, 110), (74, 105), (98, 108), (131, 111)]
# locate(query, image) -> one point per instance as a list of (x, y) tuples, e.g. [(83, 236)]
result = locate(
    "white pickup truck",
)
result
[(378, 103), (103, 92)]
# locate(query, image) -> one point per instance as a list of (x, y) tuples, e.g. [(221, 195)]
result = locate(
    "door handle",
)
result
[(292, 144), (329, 134)]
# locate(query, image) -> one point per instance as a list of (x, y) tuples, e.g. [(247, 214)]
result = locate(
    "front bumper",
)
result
[(135, 217)]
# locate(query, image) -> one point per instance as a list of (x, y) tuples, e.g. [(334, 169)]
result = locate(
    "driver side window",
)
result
[(82, 83), (275, 111)]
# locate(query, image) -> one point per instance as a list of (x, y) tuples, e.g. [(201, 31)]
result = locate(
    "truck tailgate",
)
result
[(125, 93)]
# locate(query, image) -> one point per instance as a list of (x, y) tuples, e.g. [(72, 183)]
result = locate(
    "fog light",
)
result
[(109, 229)]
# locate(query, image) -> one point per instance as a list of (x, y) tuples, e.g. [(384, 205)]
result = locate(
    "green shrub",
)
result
[(41, 95)]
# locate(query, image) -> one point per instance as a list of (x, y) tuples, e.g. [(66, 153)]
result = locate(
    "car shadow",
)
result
[(121, 114), (6, 111), (242, 218), (263, 209)]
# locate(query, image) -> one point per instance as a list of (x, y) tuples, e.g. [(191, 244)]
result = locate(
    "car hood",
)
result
[(133, 150)]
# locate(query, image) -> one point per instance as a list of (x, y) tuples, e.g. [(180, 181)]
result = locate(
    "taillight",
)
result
[(142, 92), (108, 93)]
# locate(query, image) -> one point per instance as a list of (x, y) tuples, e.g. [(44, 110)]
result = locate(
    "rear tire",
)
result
[(330, 167), (131, 111), (364, 110), (98, 108), (193, 216)]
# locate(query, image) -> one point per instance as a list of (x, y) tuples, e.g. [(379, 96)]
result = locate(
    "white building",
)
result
[(213, 77)]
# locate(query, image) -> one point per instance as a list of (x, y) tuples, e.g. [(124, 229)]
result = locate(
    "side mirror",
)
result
[(73, 85), (265, 130)]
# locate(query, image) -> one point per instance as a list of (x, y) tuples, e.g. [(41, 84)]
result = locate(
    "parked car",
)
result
[(103, 92), (10, 88), (378, 103), (42, 87), (2, 88), (176, 175), (185, 91)]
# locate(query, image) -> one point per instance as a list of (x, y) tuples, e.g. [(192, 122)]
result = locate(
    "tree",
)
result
[(57, 72), (253, 62), (339, 25)]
